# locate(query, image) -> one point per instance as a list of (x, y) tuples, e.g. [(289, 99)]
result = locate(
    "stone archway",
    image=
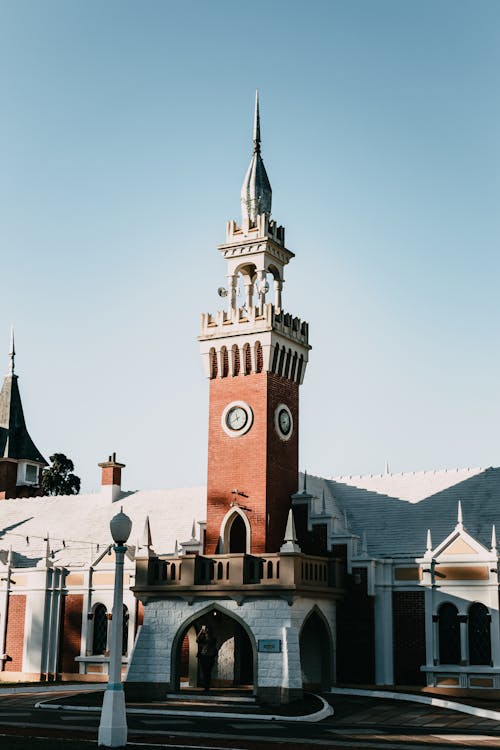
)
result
[(235, 665), (316, 652)]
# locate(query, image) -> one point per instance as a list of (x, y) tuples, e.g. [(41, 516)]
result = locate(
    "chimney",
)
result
[(111, 481)]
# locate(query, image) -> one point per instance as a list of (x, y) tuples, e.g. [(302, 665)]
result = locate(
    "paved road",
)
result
[(358, 723)]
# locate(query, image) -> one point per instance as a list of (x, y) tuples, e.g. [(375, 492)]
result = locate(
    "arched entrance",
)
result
[(235, 532), (316, 655), (235, 661), (238, 536)]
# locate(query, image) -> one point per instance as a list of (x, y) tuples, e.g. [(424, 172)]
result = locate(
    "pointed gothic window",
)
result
[(125, 631), (449, 634), (238, 535), (479, 634), (100, 633)]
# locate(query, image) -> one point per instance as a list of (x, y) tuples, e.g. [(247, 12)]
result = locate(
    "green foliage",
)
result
[(59, 479)]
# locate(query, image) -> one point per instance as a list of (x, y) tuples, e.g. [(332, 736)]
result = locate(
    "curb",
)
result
[(324, 712), (484, 713), (66, 688)]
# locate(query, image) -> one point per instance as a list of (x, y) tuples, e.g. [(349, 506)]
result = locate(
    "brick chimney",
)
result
[(111, 481)]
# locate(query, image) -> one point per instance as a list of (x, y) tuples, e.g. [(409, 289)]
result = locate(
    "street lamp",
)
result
[(113, 725)]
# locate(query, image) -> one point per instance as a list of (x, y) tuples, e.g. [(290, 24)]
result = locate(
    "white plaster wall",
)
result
[(266, 619)]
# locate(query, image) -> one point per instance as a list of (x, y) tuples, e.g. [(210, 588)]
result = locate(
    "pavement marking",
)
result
[(463, 708), (177, 722), (465, 737), (14, 713), (79, 718)]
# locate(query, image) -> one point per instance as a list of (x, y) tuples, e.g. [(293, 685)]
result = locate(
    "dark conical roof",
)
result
[(15, 441)]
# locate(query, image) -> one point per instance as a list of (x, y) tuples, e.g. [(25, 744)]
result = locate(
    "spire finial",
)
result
[(386, 469), (12, 351), (256, 124), (290, 541), (493, 539), (429, 541), (460, 524)]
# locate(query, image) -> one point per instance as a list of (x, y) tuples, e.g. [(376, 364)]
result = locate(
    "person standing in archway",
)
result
[(207, 651)]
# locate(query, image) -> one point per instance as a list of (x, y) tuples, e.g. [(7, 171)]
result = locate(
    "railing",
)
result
[(231, 571)]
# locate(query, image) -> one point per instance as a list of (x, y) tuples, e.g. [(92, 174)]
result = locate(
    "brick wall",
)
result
[(258, 463), (8, 478), (71, 631), (408, 612), (15, 633)]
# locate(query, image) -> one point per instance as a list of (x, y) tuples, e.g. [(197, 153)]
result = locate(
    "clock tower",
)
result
[(255, 356)]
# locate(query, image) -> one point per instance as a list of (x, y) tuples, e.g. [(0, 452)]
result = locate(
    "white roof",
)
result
[(77, 524)]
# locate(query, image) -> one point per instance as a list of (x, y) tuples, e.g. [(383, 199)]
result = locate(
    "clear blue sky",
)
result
[(125, 132)]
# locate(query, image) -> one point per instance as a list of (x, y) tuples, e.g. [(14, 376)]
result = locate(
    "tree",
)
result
[(59, 479)]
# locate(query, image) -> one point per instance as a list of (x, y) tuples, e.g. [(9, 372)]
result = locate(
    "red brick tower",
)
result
[(255, 355)]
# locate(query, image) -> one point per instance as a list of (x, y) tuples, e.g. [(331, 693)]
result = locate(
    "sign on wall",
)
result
[(270, 645)]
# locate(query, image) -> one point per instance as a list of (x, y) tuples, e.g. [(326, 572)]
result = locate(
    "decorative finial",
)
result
[(387, 468), (304, 489), (429, 541), (493, 539), (323, 503), (460, 524), (12, 351), (256, 125), (193, 529), (290, 540)]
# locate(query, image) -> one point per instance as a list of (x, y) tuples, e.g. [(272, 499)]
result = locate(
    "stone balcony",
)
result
[(238, 576)]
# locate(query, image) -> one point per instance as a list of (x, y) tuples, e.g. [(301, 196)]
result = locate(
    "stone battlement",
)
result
[(241, 320)]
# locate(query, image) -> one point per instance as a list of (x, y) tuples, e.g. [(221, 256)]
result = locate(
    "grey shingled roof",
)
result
[(15, 440), (397, 527)]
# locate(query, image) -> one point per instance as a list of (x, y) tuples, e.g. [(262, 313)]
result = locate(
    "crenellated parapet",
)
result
[(245, 341)]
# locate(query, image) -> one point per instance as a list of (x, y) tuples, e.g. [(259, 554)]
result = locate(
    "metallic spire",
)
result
[(256, 193), (493, 539), (429, 541), (460, 524), (12, 352), (256, 125)]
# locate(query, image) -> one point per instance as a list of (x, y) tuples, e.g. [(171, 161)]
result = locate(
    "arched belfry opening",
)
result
[(238, 535), (235, 532), (235, 663), (316, 652)]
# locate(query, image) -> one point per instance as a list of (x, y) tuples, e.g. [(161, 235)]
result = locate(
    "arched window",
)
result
[(248, 359), (238, 535), (225, 362), (125, 631), (479, 634), (213, 363), (276, 354), (282, 361), (449, 634), (100, 633), (236, 360), (287, 363), (259, 359)]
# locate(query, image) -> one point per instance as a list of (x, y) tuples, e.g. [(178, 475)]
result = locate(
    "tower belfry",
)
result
[(255, 355)]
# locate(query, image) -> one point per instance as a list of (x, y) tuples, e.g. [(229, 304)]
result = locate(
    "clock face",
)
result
[(285, 422), (236, 418)]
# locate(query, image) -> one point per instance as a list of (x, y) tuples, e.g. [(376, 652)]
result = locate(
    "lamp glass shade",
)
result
[(120, 526)]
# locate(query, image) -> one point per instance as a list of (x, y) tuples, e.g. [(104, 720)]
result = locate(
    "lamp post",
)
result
[(113, 725)]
